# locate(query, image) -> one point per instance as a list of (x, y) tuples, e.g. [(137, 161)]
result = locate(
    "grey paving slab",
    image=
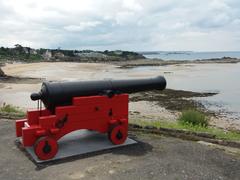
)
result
[(80, 142)]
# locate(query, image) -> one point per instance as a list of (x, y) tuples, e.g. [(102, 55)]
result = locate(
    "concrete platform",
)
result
[(80, 142)]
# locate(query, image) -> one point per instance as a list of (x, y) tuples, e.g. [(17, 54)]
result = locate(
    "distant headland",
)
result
[(123, 59), (28, 54)]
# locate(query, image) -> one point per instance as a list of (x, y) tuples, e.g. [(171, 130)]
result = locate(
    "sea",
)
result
[(189, 55), (221, 78)]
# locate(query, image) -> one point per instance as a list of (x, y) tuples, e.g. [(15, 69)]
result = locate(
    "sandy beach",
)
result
[(17, 93)]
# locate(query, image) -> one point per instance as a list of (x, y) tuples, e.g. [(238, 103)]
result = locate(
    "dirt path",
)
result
[(155, 157)]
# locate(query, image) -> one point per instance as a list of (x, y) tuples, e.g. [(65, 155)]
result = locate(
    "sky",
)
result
[(137, 25)]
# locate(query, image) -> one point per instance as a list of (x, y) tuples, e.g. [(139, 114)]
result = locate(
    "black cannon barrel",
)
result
[(54, 94)]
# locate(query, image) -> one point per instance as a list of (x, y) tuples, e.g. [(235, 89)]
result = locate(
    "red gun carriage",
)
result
[(100, 106)]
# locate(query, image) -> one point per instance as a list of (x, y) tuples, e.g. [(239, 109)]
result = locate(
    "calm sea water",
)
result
[(190, 55), (221, 78)]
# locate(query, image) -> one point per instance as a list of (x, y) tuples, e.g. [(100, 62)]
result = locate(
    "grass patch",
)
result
[(193, 118), (11, 111), (219, 133)]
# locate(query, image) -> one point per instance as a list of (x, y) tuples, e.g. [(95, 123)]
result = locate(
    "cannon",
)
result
[(100, 106)]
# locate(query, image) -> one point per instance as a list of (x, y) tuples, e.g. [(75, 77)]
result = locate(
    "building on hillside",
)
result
[(47, 55)]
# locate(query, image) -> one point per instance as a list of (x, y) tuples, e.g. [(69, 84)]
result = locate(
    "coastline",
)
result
[(146, 105), (160, 62)]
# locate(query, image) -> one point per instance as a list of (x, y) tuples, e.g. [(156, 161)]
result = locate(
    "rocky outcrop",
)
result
[(2, 73)]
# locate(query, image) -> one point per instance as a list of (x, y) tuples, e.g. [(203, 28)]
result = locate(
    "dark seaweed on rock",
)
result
[(172, 99)]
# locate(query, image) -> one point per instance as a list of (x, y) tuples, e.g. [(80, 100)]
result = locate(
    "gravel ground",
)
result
[(155, 157)]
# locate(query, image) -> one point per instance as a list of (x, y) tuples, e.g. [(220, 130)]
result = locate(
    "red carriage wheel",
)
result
[(46, 148), (117, 134)]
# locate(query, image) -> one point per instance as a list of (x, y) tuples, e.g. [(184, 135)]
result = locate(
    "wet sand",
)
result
[(18, 93)]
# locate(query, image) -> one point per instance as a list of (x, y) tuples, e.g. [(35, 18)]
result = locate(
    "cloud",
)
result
[(82, 26), (121, 24), (132, 5)]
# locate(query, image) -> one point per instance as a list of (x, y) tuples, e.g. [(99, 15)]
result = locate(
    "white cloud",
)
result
[(132, 5), (122, 24), (82, 26)]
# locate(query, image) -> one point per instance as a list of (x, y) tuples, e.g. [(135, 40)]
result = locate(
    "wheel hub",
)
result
[(119, 135), (47, 148)]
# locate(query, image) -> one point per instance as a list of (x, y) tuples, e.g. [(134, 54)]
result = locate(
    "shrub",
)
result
[(7, 108), (194, 118)]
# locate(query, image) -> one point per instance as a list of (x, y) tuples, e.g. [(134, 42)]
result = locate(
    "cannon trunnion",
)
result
[(94, 105)]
